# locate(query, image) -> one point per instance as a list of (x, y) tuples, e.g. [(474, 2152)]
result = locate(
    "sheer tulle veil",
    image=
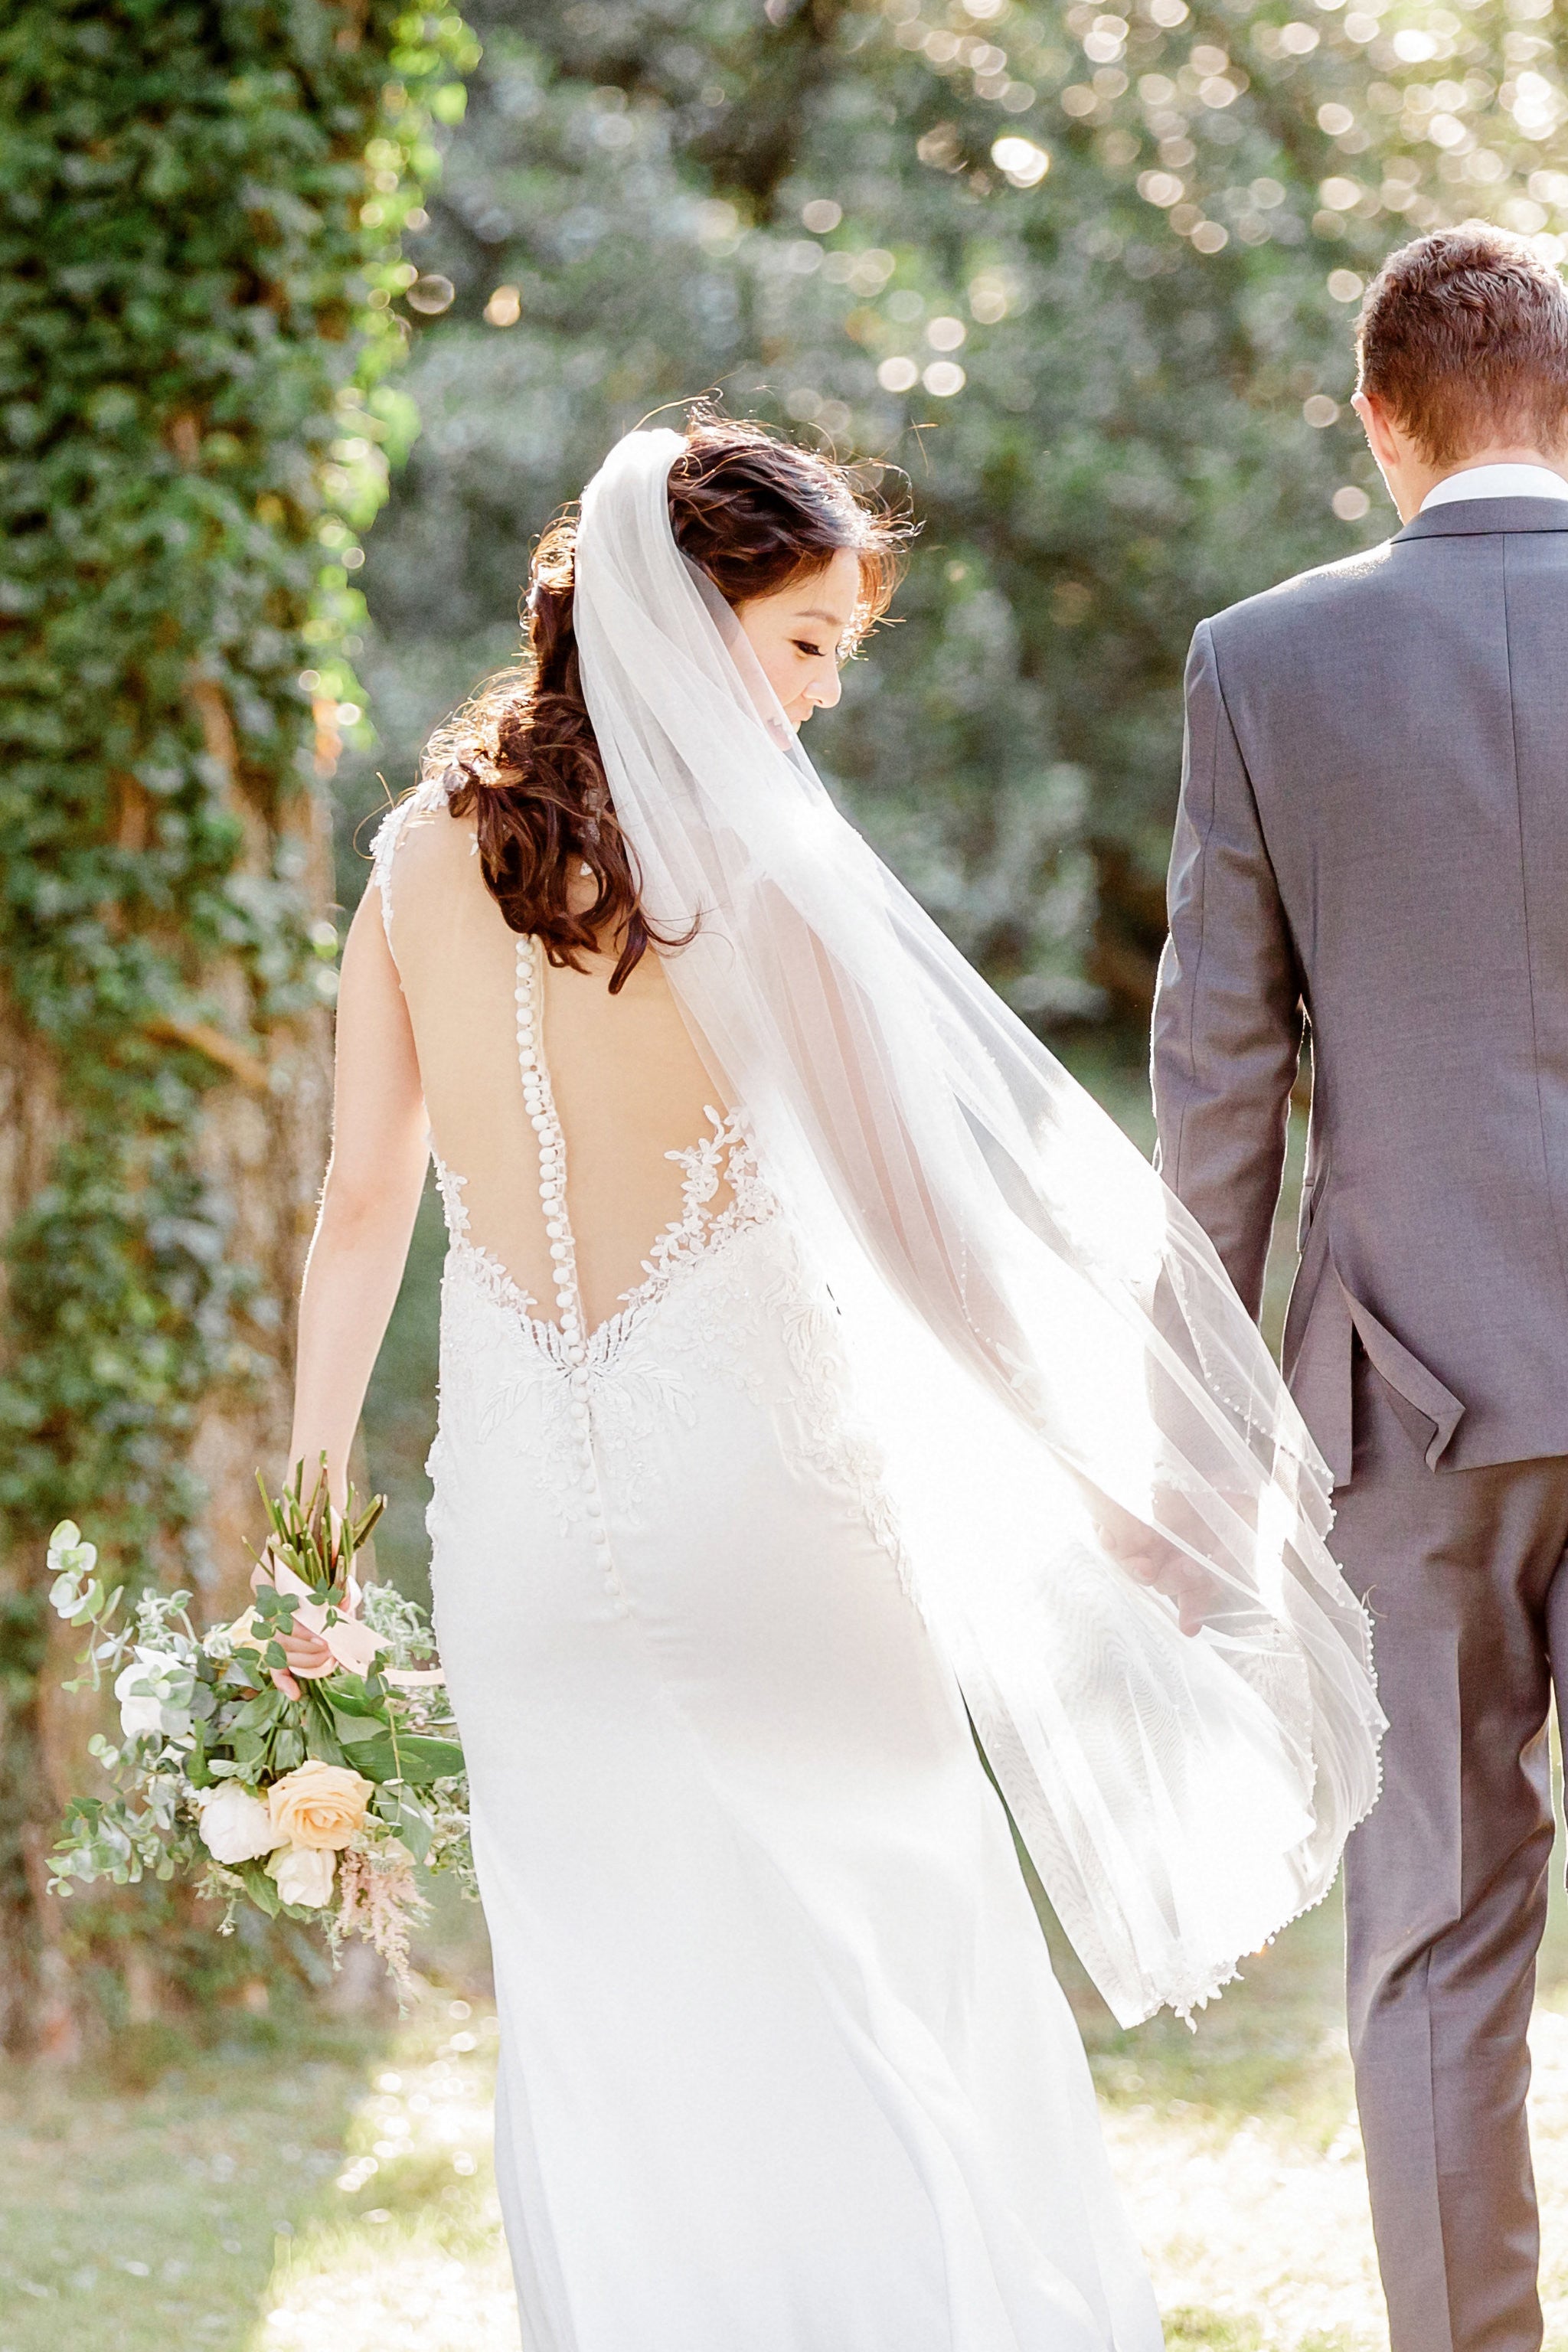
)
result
[(1050, 1356)]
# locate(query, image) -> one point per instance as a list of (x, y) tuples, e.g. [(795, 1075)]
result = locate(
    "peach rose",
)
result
[(318, 1804)]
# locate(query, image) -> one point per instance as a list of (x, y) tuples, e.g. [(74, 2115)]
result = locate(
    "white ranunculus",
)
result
[(304, 1874), (236, 1825)]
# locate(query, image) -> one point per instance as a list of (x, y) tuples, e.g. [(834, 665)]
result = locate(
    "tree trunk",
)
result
[(264, 1145), (33, 2007)]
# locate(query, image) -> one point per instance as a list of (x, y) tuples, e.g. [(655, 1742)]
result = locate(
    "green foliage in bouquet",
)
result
[(311, 1797)]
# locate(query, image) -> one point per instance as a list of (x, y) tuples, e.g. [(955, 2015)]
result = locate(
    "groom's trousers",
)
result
[(1446, 1882)]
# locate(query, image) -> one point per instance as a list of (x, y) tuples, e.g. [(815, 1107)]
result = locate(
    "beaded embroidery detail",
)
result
[(565, 1345)]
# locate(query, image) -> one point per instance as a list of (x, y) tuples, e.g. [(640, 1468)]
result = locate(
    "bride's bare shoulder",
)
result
[(422, 848)]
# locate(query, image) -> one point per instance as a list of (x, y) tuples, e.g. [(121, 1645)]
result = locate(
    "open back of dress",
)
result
[(577, 1139)]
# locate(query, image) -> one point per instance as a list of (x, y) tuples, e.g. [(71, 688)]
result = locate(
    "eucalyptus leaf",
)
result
[(264, 1709), (354, 1731), (416, 1760), (262, 1890), (411, 1820)]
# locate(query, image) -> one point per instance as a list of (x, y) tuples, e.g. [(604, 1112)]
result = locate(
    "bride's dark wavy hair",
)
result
[(755, 514)]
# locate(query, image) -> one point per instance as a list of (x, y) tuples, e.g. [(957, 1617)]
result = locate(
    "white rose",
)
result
[(236, 1825), (304, 1874)]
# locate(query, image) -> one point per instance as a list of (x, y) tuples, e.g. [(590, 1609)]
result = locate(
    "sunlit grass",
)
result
[(137, 2221), (334, 2193), (406, 2254)]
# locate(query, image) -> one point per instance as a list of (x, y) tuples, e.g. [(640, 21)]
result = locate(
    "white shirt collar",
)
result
[(1497, 482)]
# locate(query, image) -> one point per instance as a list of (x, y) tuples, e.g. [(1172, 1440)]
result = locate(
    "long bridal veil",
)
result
[(1051, 1355)]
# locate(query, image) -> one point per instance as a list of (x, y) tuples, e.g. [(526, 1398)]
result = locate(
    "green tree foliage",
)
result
[(199, 298), (1088, 278)]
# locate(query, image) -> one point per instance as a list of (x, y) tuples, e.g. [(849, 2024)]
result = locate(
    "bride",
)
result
[(821, 1376)]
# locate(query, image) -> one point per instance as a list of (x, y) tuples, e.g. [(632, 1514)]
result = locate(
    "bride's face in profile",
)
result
[(799, 632)]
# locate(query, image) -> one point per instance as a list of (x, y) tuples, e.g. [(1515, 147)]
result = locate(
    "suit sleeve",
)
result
[(1227, 1008)]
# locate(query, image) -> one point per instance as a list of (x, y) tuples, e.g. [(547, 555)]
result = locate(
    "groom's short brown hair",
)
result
[(1464, 336)]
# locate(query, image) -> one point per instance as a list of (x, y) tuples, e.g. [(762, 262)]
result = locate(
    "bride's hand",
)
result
[(307, 1654), (306, 1651)]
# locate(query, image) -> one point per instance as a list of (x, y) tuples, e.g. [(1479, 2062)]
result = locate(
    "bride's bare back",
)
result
[(628, 1085)]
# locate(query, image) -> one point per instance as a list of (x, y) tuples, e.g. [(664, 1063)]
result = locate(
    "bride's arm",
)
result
[(375, 1179)]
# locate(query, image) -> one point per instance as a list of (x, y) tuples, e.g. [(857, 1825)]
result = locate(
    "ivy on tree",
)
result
[(201, 209)]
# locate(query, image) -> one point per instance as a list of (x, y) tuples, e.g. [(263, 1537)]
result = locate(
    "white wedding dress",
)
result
[(783, 2066)]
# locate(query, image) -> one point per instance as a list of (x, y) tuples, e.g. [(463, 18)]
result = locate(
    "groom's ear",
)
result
[(1398, 459), (1383, 436)]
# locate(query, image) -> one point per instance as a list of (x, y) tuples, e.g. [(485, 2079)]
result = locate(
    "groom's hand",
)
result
[(1169, 1570), (1156, 1559)]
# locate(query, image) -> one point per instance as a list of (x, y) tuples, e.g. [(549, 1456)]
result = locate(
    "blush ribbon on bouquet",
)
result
[(351, 1645)]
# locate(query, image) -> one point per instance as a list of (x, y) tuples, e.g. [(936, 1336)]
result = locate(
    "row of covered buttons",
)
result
[(541, 1118)]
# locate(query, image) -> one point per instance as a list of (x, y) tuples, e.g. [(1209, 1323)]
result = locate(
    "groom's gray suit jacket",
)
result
[(1404, 888)]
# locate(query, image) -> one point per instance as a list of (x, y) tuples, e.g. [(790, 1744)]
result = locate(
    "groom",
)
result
[(1372, 851)]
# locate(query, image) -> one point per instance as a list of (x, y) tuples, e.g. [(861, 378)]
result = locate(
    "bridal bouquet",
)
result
[(312, 1793)]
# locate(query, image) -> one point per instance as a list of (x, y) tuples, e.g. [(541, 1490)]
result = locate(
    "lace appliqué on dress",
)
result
[(838, 1444), (694, 1318), (594, 1390), (725, 1157), (486, 1270)]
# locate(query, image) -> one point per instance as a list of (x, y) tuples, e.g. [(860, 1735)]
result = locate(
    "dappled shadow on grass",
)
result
[(153, 2197), (150, 2219), (1210, 2331), (331, 2195), (1213, 2331), (404, 2254)]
